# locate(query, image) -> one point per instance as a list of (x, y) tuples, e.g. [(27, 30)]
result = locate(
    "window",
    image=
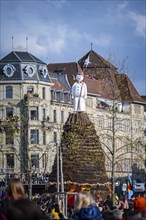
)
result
[(109, 123), (35, 160), (62, 116), (89, 102), (43, 92), (9, 92), (100, 120), (10, 160), (67, 97), (53, 95), (29, 70), (44, 114), (44, 137), (9, 136), (55, 137), (44, 160), (137, 109), (9, 70), (30, 90), (34, 113), (58, 96), (126, 125), (9, 112), (120, 124), (62, 96), (137, 126), (55, 120), (34, 136)]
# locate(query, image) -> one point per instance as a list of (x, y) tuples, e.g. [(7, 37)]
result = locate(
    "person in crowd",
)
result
[(144, 215), (85, 207), (108, 203), (123, 203), (138, 211), (57, 213), (117, 214), (134, 215), (108, 215), (139, 204), (24, 209), (15, 191)]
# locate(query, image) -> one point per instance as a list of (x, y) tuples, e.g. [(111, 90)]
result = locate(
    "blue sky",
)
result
[(62, 31)]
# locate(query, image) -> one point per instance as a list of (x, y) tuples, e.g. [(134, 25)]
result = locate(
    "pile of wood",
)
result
[(83, 160)]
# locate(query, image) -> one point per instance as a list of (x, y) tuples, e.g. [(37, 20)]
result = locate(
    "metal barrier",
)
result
[(62, 200)]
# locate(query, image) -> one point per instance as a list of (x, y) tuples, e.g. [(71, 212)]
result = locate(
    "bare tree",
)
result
[(17, 127), (121, 134)]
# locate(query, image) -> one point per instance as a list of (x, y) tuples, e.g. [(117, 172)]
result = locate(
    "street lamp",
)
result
[(58, 167)]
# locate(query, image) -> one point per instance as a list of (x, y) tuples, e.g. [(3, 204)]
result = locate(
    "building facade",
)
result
[(115, 108), (36, 101)]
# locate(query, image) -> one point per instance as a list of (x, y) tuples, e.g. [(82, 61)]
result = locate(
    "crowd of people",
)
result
[(37, 178), (14, 205)]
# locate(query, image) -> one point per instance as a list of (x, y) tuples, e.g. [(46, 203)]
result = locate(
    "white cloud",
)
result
[(139, 21), (47, 37), (101, 40)]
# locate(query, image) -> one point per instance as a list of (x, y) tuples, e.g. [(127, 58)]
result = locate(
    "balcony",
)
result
[(29, 97)]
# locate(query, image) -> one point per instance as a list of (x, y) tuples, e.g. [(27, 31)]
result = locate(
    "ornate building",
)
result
[(116, 109), (35, 105), (29, 120)]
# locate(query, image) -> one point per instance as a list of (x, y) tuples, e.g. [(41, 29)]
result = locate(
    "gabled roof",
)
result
[(94, 60), (100, 76), (19, 56), (127, 90), (71, 69)]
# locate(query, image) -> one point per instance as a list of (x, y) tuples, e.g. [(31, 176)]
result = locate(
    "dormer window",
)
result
[(43, 70), (29, 70), (9, 70)]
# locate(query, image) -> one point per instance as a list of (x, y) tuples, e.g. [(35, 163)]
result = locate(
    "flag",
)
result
[(129, 187)]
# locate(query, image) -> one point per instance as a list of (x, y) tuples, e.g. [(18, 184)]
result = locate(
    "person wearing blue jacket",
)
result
[(85, 208)]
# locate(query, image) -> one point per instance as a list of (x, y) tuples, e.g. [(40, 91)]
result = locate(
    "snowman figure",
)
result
[(79, 94)]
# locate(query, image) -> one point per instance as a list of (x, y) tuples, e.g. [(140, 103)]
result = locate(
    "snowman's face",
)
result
[(79, 78)]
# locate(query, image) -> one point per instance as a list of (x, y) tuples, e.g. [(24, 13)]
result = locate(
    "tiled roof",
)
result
[(94, 60), (104, 86), (127, 89), (57, 85), (19, 56), (63, 67), (71, 69), (101, 77)]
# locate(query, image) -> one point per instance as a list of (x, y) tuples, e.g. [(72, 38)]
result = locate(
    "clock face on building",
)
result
[(43, 70), (9, 70), (29, 70)]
